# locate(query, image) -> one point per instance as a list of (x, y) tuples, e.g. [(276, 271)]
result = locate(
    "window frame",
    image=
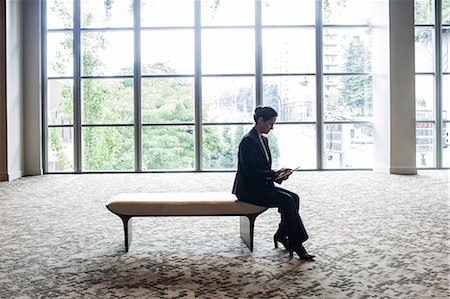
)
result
[(197, 122)]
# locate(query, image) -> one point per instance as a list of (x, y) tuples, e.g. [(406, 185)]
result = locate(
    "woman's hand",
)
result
[(283, 174), (287, 173), (280, 172)]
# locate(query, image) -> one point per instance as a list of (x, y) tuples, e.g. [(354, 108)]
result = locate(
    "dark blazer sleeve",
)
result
[(256, 170)]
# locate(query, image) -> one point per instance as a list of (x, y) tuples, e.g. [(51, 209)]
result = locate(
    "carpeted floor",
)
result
[(374, 235)]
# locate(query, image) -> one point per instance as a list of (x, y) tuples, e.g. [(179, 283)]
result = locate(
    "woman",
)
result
[(254, 183)]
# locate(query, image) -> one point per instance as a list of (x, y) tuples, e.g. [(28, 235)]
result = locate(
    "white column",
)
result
[(394, 87), (14, 89)]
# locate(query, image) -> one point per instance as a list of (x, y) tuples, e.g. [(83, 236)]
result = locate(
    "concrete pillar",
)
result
[(394, 87)]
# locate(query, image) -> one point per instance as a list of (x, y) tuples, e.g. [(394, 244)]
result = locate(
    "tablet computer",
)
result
[(287, 173)]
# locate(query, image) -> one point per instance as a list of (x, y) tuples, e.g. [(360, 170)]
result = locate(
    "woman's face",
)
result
[(266, 126)]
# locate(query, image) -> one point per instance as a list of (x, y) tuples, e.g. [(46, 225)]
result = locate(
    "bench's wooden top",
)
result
[(179, 204)]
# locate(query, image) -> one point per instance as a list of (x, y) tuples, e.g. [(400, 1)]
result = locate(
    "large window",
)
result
[(432, 35), (156, 85)]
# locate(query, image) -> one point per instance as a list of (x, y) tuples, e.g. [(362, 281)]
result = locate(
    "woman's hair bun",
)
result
[(265, 112)]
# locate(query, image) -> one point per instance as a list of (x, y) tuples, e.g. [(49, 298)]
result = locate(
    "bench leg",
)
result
[(247, 225), (128, 230)]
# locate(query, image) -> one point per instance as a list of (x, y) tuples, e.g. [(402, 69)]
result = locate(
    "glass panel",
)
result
[(446, 12), (347, 50), (348, 98), (423, 11), (228, 99), (446, 97), (228, 51), (59, 54), (60, 149), (108, 148), (59, 14), (446, 50), (425, 145), (167, 52), (348, 12), (107, 101), (424, 50), (293, 97), (446, 145), (107, 53), (348, 146), (59, 102), (221, 144), (288, 12), (168, 147), (167, 100), (424, 97), (289, 51), (292, 146), (227, 12), (167, 13), (103, 14)]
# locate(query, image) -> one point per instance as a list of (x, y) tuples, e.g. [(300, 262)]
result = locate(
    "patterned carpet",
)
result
[(374, 235)]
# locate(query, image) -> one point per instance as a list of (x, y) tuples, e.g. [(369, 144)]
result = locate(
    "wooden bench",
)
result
[(128, 205)]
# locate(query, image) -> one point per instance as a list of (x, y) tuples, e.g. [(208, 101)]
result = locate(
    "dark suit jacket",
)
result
[(254, 173)]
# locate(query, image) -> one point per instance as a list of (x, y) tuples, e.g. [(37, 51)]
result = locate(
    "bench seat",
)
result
[(128, 205)]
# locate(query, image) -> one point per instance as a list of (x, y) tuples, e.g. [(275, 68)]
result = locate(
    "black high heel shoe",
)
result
[(282, 240), (301, 252)]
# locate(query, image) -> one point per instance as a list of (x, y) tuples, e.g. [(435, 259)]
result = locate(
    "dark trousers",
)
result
[(288, 204)]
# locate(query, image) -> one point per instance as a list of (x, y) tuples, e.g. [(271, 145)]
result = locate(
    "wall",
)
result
[(32, 123), (20, 90), (14, 90), (3, 136)]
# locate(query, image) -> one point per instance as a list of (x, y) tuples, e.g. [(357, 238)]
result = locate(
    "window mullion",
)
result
[(198, 88), (77, 85), (44, 85), (258, 55), (137, 87), (319, 83), (438, 81)]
